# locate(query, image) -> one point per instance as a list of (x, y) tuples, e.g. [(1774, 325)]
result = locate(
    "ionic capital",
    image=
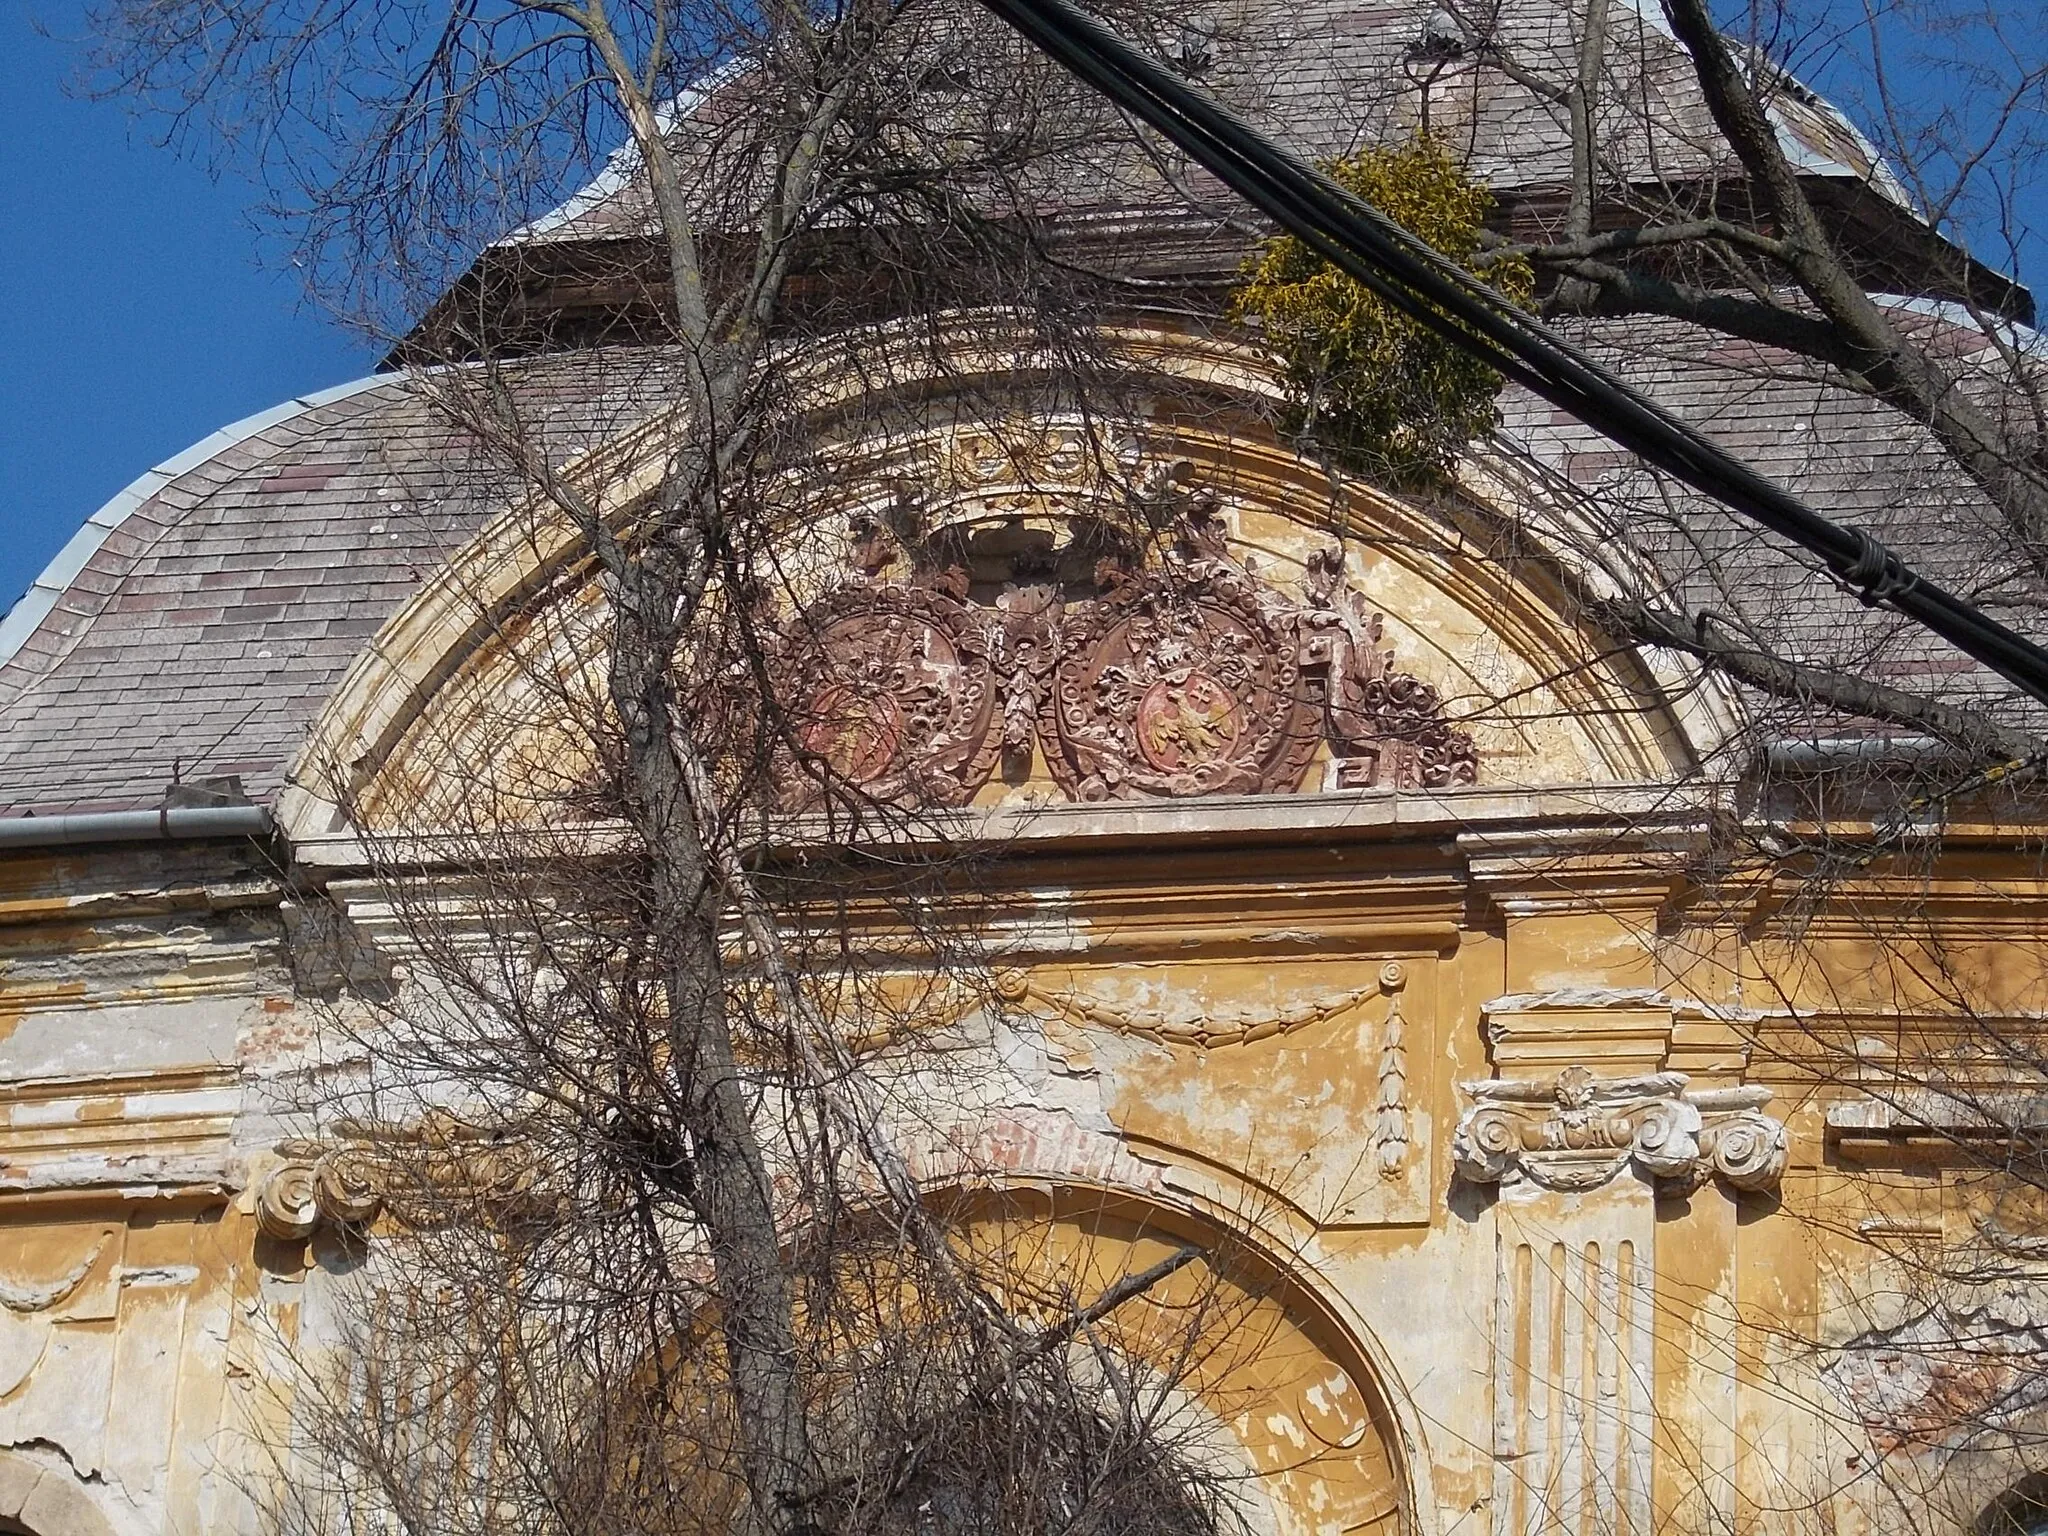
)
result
[(1577, 1132)]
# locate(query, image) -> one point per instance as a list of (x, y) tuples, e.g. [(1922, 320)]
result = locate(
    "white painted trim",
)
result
[(34, 605), (619, 167), (2024, 339), (1805, 157)]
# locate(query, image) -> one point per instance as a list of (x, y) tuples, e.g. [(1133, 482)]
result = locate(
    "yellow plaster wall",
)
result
[(1207, 992)]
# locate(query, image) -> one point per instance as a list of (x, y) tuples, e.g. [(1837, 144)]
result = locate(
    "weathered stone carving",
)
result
[(1578, 1132), (1024, 455), (1175, 682), (417, 1172), (1208, 1025), (1023, 645), (317, 1184), (1390, 1104), (1743, 1146), (1385, 728), (1216, 1026), (1188, 676), (23, 1296), (894, 695)]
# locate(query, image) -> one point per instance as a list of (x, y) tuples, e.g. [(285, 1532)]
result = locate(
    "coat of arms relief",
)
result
[(1170, 669)]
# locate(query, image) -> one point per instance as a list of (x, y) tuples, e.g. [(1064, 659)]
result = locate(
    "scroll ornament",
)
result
[(418, 1172), (1578, 1132)]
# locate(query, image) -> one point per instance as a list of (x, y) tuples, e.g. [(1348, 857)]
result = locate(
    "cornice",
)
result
[(1587, 815)]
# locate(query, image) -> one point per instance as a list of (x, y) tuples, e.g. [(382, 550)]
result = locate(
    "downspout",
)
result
[(170, 824)]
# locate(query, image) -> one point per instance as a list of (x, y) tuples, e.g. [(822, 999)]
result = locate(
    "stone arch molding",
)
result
[(48, 1501), (1316, 1420), (1407, 589)]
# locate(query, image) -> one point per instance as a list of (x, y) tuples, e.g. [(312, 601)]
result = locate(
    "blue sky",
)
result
[(134, 319)]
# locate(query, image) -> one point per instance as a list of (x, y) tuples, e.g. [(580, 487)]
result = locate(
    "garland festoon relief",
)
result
[(1187, 675)]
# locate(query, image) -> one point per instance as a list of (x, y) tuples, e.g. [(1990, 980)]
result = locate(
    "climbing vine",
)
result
[(1371, 389)]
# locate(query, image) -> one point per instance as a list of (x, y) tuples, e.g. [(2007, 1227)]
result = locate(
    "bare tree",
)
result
[(663, 1251), (1655, 169), (666, 1255), (1857, 894)]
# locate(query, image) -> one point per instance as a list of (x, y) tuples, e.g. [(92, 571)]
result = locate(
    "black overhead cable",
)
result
[(1428, 287)]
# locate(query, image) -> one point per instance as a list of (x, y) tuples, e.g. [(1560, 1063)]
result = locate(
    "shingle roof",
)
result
[(196, 628), (1855, 461), (1330, 75), (205, 631), (202, 632)]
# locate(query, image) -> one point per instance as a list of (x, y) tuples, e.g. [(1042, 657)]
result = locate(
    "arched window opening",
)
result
[(2022, 1510)]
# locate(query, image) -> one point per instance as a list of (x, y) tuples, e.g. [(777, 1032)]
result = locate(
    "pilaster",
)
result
[(1576, 902), (1609, 1378)]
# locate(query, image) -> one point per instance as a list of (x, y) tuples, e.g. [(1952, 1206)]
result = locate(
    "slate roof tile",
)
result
[(208, 627), (209, 640)]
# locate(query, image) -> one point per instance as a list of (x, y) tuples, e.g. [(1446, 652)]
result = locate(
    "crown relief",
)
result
[(1141, 667)]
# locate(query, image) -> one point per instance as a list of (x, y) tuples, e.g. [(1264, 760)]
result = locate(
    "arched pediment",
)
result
[(980, 607)]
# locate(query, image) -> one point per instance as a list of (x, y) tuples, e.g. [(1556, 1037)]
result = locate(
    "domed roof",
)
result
[(196, 624)]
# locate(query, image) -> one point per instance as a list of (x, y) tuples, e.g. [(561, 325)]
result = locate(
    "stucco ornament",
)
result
[(1175, 682), (318, 1184), (1210, 1027), (419, 1172), (1386, 729), (285, 1205), (1577, 1132), (1390, 1101), (1184, 673), (30, 1296), (895, 695)]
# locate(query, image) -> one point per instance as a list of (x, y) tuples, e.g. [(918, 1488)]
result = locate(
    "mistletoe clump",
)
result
[(1374, 390)]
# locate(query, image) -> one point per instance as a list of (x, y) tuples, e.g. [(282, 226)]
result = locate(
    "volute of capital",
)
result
[(424, 1173), (1577, 1133), (317, 1185)]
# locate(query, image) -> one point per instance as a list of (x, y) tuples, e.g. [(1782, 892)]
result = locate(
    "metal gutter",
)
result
[(1851, 751), (175, 823)]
